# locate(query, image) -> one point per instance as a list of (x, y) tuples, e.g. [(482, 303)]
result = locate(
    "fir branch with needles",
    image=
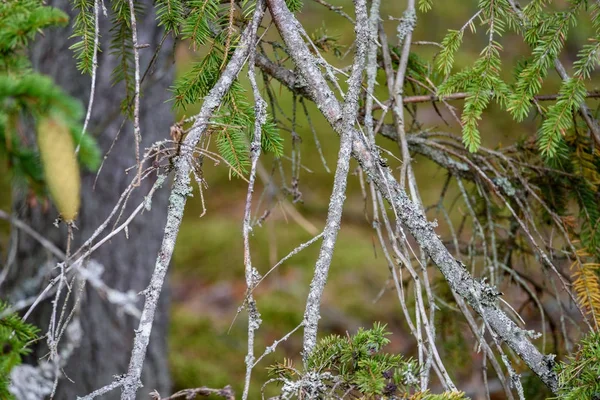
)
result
[(549, 43), (170, 14), (15, 338), (84, 30), (578, 376), (234, 122), (121, 47), (356, 365), (25, 93), (482, 82)]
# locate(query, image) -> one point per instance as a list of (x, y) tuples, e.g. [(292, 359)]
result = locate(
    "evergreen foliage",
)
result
[(121, 46), (169, 14), (551, 34), (84, 28), (562, 142), (209, 24), (209, 27), (356, 364), (482, 82), (359, 362), (294, 5), (578, 378), (197, 26), (425, 5), (24, 92), (20, 22), (581, 159), (15, 336), (546, 32)]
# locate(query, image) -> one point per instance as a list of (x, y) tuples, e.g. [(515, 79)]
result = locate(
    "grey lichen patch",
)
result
[(549, 361), (489, 295), (300, 82), (532, 334), (407, 24), (311, 385), (505, 185)]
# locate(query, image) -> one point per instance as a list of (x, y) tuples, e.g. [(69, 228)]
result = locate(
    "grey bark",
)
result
[(480, 296), (107, 334), (312, 313)]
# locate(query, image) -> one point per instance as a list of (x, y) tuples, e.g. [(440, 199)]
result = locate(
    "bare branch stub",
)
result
[(227, 393)]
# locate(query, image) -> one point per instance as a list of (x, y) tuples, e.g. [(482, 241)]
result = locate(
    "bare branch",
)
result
[(252, 275), (136, 99), (338, 194), (226, 392), (478, 295)]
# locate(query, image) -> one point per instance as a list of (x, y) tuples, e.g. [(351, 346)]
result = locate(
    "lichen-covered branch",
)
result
[(260, 117), (338, 194), (480, 296), (179, 193)]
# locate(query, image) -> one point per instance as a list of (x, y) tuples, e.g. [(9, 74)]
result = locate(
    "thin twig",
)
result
[(462, 95), (136, 100), (51, 247), (260, 112), (226, 392), (336, 9), (177, 200)]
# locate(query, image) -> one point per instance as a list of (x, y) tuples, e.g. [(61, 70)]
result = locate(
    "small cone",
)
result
[(61, 169)]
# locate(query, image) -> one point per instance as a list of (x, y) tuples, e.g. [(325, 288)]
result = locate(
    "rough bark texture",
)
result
[(108, 334)]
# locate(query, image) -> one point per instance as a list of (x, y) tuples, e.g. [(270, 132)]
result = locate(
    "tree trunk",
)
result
[(128, 262)]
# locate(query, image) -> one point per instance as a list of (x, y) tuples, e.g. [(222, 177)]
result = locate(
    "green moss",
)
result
[(205, 248)]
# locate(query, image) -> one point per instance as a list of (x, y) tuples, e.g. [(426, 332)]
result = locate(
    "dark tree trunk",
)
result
[(128, 262)]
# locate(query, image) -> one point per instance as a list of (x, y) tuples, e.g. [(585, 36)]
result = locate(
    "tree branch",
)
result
[(560, 69), (338, 194), (480, 296), (461, 96), (177, 200), (260, 117)]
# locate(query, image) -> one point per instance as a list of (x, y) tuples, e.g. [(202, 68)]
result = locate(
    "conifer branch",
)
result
[(94, 69), (560, 69)]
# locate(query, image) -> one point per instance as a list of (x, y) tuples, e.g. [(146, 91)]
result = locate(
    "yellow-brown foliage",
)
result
[(61, 169), (586, 284)]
